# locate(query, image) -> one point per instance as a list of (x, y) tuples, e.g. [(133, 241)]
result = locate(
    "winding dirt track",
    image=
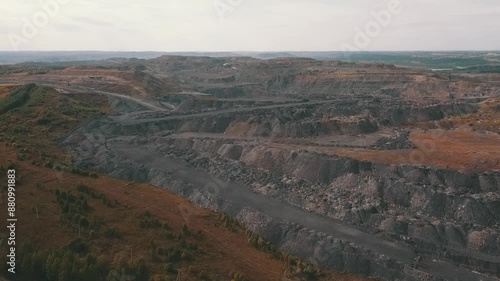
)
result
[(78, 89), (224, 111), (242, 197)]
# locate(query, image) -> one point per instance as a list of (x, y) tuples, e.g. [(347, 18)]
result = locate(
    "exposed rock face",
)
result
[(440, 213), (319, 79), (313, 245), (349, 118), (398, 141), (369, 218)]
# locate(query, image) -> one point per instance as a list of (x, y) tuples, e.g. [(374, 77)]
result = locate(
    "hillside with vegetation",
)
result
[(75, 224)]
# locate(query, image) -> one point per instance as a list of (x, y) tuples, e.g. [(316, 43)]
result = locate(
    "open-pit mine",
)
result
[(373, 169)]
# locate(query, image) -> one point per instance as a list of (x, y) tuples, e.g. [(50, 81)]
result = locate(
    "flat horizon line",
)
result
[(296, 51)]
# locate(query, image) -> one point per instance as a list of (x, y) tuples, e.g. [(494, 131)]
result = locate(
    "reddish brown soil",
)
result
[(224, 250), (458, 149), (5, 88)]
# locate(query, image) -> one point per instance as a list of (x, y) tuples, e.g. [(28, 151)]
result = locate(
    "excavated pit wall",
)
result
[(312, 245), (305, 121), (457, 211), (423, 191)]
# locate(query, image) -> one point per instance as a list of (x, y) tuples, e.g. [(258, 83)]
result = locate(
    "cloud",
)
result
[(194, 25)]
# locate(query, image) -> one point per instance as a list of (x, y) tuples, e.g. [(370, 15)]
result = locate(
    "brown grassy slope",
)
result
[(487, 119), (466, 142), (5, 89), (457, 149), (47, 115), (224, 250), (27, 144)]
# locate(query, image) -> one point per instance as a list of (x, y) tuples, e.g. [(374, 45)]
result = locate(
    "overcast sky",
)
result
[(247, 25)]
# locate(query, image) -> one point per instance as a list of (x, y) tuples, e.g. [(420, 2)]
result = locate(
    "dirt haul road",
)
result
[(241, 197)]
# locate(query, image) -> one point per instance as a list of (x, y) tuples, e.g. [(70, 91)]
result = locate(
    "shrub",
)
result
[(170, 268), (113, 233), (16, 98), (147, 220)]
